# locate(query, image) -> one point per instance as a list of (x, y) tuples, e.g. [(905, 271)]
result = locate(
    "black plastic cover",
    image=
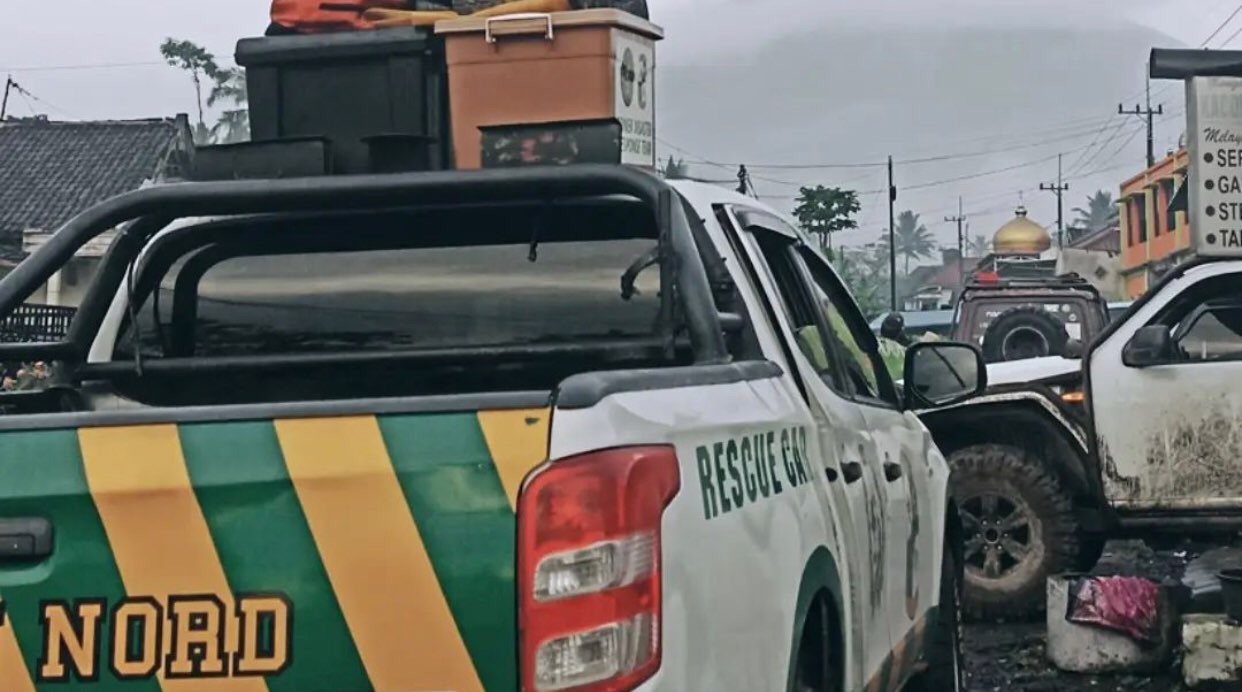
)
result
[(351, 88), (1184, 63)]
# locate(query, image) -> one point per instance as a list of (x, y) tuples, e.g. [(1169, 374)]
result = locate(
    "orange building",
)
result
[(1153, 239)]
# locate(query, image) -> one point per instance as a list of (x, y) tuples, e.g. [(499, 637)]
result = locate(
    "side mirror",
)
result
[(1150, 345), (940, 373), (1073, 349)]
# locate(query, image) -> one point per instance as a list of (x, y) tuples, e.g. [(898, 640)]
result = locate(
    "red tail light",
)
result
[(589, 569)]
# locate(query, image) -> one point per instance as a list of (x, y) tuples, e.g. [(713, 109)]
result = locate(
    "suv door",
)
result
[(1166, 423), (903, 451), (854, 481)]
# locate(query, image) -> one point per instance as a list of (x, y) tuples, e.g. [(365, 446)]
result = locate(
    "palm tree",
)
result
[(913, 240), (978, 246), (1100, 213), (234, 123), (676, 168)]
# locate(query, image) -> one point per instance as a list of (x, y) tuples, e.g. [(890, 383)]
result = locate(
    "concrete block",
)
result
[(1083, 649), (1212, 651)]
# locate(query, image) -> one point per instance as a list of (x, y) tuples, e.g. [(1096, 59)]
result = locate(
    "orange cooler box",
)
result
[(513, 74)]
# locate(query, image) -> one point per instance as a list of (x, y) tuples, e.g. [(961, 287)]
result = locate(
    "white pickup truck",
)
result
[(1141, 434), (442, 431)]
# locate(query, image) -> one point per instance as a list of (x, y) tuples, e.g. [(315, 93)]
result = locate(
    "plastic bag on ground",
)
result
[(1127, 605)]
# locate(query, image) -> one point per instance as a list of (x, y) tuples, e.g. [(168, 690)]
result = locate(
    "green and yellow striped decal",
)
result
[(391, 536)]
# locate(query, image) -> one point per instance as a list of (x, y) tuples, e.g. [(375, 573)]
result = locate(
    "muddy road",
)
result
[(1010, 656)]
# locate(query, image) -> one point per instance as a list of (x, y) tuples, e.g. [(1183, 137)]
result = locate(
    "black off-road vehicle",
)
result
[(1015, 319)]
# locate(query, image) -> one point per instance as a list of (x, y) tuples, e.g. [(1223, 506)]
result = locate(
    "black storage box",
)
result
[(356, 90)]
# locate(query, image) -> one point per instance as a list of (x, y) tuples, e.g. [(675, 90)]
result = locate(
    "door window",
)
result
[(778, 254), (866, 375), (1214, 332)]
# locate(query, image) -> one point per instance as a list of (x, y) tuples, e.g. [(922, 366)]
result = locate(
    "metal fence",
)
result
[(32, 323)]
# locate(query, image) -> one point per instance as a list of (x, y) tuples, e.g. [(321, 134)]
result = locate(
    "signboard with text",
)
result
[(1214, 131), (634, 97)]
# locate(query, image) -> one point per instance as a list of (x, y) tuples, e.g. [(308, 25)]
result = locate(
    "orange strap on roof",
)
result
[(316, 16)]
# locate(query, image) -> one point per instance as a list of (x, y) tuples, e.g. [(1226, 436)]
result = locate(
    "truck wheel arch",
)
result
[(821, 581), (1022, 421)]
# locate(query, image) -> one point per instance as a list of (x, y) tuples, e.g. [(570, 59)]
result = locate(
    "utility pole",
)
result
[(961, 239), (1146, 113), (4, 105), (892, 240), (1059, 189)]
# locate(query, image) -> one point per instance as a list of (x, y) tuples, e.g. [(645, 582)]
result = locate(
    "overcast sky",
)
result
[(89, 59)]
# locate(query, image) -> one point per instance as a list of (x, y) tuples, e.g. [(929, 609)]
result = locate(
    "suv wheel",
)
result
[(1018, 527)]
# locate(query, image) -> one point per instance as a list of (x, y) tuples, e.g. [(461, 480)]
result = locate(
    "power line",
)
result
[(26, 94), (1221, 28), (68, 68), (1094, 141), (878, 164), (1231, 37), (1121, 124)]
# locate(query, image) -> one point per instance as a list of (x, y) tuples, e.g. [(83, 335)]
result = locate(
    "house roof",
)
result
[(1108, 238), (947, 275), (51, 171)]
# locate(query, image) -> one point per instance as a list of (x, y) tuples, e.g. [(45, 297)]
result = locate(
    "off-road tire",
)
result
[(1020, 480), (1031, 318), (1090, 550), (942, 653)]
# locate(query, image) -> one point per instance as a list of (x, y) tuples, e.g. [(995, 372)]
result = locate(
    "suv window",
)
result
[(866, 374), (1213, 331)]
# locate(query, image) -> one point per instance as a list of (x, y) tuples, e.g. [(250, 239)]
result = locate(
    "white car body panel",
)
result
[(1031, 369), (1160, 427)]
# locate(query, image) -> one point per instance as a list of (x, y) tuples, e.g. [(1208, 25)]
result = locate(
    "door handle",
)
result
[(852, 470), (27, 538), (892, 471)]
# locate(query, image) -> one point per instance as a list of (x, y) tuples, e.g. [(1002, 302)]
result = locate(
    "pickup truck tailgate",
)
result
[(337, 553)]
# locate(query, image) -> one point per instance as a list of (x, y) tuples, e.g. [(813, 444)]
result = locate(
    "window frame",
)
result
[(799, 308), (795, 247)]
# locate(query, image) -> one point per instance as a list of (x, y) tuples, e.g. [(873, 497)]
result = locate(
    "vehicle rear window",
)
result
[(404, 298), (1068, 313)]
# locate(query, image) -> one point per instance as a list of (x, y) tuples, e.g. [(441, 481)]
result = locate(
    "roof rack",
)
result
[(1070, 279)]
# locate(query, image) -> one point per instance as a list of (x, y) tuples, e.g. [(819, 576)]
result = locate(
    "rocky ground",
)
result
[(1010, 656)]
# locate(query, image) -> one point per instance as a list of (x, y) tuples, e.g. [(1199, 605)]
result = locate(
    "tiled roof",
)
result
[(51, 171)]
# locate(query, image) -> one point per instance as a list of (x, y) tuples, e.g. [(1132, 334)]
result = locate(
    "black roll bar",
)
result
[(682, 271)]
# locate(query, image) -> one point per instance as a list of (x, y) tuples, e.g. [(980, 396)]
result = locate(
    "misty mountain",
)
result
[(844, 94)]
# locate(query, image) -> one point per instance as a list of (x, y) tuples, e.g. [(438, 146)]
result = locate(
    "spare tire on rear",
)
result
[(1027, 331)]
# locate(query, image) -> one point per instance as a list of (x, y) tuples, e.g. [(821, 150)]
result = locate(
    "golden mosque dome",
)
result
[(1021, 236)]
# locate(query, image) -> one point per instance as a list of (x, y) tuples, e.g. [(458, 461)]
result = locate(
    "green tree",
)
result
[(230, 91), (978, 246), (1100, 212), (864, 271), (201, 64), (676, 168), (826, 210), (912, 240)]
